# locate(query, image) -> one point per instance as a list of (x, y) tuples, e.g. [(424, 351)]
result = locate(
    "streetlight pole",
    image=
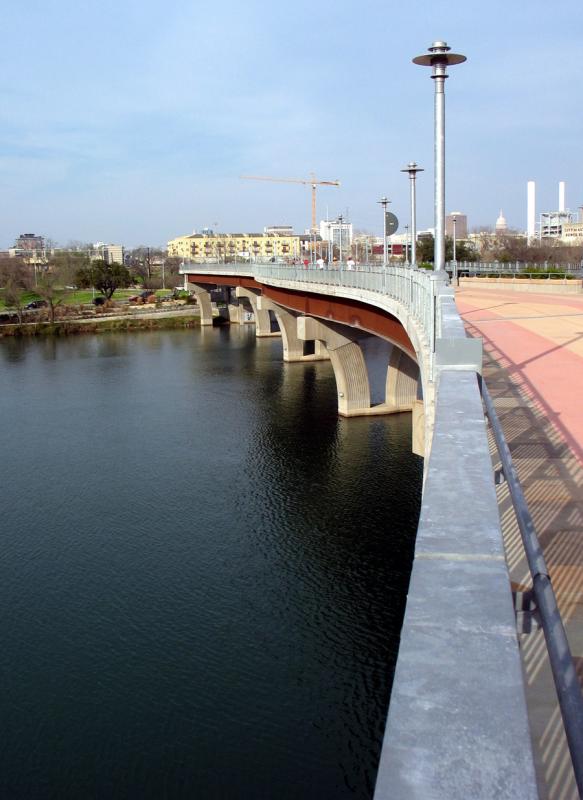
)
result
[(412, 169), (384, 202), (439, 58), (454, 265), (340, 220), (406, 244)]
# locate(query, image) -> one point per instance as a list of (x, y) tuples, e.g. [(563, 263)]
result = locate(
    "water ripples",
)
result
[(205, 571)]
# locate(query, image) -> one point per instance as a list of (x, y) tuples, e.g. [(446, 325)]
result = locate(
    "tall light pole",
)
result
[(439, 58), (384, 202), (340, 220), (454, 265), (412, 169), (406, 244)]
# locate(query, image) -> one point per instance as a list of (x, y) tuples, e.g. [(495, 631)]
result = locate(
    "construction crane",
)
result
[(311, 181)]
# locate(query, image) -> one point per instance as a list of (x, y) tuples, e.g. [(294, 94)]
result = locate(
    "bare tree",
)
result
[(50, 287), (17, 282)]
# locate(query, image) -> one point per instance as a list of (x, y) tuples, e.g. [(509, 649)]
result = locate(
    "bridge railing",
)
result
[(413, 288), (517, 268)]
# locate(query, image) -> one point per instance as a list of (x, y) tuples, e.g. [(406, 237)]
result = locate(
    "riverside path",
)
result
[(533, 367)]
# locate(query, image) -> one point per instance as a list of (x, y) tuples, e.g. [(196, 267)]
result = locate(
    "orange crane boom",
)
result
[(312, 181)]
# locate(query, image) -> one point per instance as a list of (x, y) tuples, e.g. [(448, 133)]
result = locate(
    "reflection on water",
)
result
[(203, 570)]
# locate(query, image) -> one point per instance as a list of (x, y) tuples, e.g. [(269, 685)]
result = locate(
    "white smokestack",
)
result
[(530, 210), (561, 195)]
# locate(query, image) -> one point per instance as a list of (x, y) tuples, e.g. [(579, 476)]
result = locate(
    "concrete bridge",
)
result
[(457, 724)]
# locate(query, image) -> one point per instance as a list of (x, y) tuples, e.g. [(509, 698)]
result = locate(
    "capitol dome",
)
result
[(501, 224)]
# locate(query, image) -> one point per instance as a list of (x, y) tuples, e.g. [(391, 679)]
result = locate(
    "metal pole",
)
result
[(413, 222), (340, 218), (385, 234), (412, 169), (439, 165), (406, 244), (439, 58), (384, 203), (454, 265)]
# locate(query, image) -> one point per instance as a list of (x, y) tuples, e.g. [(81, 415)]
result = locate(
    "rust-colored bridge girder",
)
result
[(345, 311), (338, 309)]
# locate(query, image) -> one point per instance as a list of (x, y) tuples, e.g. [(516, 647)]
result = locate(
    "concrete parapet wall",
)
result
[(457, 725), (534, 285)]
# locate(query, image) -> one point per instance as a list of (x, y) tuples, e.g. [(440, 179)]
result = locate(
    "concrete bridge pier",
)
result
[(262, 317), (294, 348), (238, 313), (404, 393), (347, 361), (345, 347), (204, 301)]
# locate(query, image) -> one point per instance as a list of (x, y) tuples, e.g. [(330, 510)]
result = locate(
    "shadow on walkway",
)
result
[(550, 467)]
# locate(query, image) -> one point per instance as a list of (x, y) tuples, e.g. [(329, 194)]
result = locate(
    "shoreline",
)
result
[(152, 320)]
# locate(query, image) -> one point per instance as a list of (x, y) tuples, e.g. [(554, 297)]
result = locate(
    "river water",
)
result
[(202, 571)]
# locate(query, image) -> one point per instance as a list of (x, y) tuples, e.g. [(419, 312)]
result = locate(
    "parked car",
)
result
[(36, 304)]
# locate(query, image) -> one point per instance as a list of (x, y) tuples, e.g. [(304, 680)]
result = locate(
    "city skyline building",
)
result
[(110, 253), (461, 224), (224, 246), (337, 232), (31, 247)]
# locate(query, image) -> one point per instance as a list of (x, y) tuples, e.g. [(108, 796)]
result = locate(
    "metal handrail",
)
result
[(560, 657), (412, 287)]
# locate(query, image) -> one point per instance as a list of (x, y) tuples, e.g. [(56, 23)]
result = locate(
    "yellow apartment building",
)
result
[(230, 246)]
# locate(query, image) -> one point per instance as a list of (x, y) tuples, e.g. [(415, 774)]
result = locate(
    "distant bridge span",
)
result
[(338, 309), (457, 725)]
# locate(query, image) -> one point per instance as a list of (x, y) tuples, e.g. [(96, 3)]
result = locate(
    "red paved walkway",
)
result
[(533, 367), (540, 341)]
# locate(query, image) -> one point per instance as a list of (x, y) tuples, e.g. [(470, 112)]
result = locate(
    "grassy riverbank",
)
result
[(102, 325)]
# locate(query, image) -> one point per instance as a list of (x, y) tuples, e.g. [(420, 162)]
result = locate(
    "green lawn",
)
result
[(81, 296)]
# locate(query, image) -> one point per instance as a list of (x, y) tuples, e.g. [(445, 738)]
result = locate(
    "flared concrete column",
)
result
[(262, 318), (204, 302), (418, 429), (293, 346), (236, 313), (402, 378), (403, 390), (347, 361)]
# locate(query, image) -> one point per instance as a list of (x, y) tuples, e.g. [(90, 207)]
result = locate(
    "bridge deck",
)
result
[(534, 371)]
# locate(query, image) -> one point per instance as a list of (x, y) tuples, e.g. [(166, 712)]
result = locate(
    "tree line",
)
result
[(503, 248), (65, 271)]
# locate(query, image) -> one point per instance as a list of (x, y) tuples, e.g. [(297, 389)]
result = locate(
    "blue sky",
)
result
[(132, 121)]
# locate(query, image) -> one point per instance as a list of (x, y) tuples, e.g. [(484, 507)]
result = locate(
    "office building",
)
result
[(461, 225)]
